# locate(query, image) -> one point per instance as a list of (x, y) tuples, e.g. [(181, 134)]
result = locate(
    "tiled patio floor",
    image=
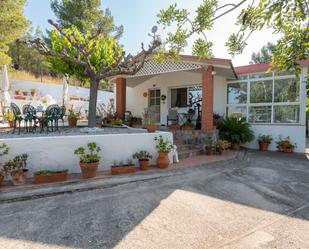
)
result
[(73, 178)]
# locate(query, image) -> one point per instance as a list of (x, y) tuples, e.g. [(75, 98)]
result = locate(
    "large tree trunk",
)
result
[(93, 102)]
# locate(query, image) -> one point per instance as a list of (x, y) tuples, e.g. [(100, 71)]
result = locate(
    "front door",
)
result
[(154, 104)]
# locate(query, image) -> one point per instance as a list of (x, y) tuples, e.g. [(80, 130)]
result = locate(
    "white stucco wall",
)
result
[(136, 102), (49, 153), (295, 132)]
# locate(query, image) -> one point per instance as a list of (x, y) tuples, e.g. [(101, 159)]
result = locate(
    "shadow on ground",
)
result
[(204, 207)]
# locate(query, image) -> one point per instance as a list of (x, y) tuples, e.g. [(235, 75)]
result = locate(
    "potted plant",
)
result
[(18, 92), (164, 147), (17, 169), (264, 142), (9, 117), (46, 176), (235, 130), (209, 146), (143, 157), (117, 121), (187, 126), (151, 124), (73, 118), (284, 145), (221, 146), (4, 150), (121, 168), (33, 92), (89, 161)]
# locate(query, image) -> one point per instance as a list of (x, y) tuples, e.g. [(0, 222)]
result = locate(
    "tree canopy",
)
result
[(86, 15), (289, 18), (12, 24), (264, 55)]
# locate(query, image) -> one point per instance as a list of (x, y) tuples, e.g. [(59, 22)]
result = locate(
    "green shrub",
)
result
[(162, 145), (235, 130), (92, 156), (142, 155)]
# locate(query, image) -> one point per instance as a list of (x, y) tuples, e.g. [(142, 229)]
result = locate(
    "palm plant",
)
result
[(235, 130)]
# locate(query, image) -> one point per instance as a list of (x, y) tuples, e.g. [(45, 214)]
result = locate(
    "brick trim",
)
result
[(121, 85), (208, 99)]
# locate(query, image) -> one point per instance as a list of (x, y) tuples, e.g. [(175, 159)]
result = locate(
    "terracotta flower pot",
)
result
[(54, 177), (143, 164), (236, 146), (263, 146), (151, 128), (72, 122), (163, 161), (89, 170), (19, 177), (1, 179), (221, 151), (208, 151), (288, 150), (123, 169)]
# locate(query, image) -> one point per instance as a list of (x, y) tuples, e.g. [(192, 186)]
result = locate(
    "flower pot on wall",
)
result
[(72, 122), (89, 170), (163, 161), (143, 164), (263, 146), (151, 128), (19, 177)]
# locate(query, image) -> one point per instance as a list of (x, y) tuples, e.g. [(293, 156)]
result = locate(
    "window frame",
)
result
[(273, 78)]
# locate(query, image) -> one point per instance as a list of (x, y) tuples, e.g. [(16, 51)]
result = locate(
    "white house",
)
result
[(273, 103)]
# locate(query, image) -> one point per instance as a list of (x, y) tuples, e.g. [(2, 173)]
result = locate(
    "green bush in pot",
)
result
[(235, 130)]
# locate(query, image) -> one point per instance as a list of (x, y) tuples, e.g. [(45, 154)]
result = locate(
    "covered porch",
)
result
[(194, 89)]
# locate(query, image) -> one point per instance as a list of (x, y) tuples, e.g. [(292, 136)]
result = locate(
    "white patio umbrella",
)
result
[(65, 90), (5, 97)]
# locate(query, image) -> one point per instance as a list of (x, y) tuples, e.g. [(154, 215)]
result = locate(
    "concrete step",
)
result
[(189, 153)]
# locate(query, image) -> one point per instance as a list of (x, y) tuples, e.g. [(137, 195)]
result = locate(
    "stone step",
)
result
[(184, 147), (189, 153)]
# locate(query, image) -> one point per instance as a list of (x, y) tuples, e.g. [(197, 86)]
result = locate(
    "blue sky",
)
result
[(138, 16)]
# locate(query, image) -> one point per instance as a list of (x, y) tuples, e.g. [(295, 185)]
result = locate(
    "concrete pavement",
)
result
[(260, 202)]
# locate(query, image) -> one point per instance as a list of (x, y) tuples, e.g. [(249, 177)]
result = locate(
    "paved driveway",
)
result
[(259, 202)]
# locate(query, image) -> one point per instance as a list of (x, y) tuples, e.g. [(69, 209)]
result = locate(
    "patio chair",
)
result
[(172, 116), (61, 114), (18, 117), (51, 118), (30, 118)]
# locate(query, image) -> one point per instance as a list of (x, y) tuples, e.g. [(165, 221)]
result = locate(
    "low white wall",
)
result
[(49, 153), (297, 134), (56, 91)]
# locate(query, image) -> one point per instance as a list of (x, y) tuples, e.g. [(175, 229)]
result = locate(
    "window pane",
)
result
[(261, 75), (179, 97), (152, 102), (239, 111), (157, 101), (261, 91), (286, 114), (237, 93), (287, 90), (152, 93), (260, 114)]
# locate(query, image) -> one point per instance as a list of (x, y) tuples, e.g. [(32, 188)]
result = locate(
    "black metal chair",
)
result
[(61, 114), (51, 117), (18, 117), (30, 118)]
